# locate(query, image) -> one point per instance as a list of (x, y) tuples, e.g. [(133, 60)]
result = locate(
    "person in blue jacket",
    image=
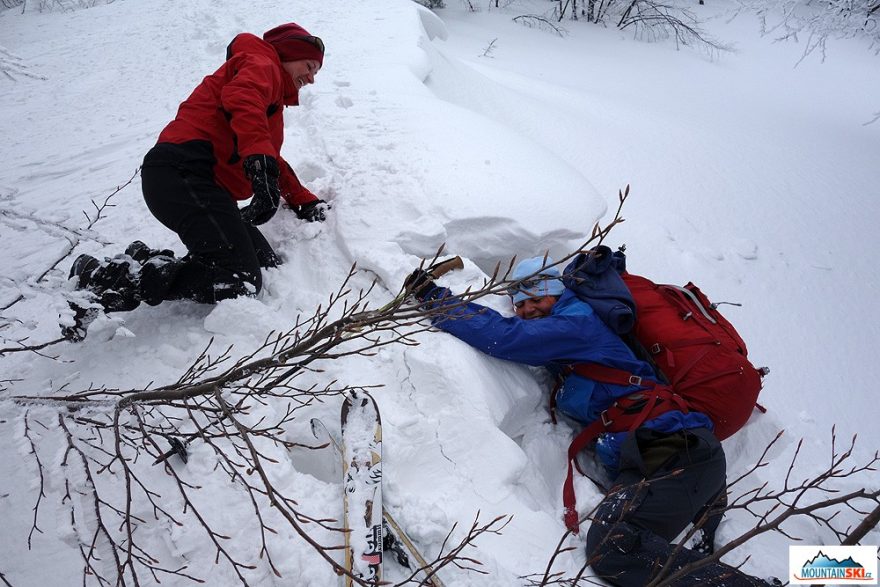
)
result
[(629, 539)]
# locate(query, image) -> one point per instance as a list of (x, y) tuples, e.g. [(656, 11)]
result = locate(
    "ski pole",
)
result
[(178, 447)]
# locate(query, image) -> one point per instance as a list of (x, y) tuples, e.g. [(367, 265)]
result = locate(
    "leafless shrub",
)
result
[(651, 20), (817, 22), (111, 439), (655, 21), (539, 22)]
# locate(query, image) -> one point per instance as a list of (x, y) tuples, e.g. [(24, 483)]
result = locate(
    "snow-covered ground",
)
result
[(755, 179)]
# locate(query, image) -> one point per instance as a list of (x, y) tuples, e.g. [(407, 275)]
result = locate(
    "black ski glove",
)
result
[(262, 170), (419, 283), (315, 211)]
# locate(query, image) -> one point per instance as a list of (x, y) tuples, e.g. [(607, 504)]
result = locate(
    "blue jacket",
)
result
[(572, 333)]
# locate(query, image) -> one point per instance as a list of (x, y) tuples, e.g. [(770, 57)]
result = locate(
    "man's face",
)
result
[(531, 308)]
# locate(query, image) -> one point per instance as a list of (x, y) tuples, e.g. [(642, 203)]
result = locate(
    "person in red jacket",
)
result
[(223, 146)]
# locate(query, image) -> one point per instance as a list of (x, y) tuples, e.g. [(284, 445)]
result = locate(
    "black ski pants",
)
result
[(225, 253), (630, 538)]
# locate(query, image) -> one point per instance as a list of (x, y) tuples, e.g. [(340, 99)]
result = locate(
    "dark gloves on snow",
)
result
[(263, 172), (419, 283), (315, 211)]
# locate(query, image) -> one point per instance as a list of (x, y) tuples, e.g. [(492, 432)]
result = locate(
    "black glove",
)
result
[(262, 170), (312, 211), (419, 283)]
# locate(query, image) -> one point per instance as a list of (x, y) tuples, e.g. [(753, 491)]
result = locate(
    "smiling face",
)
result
[(302, 71), (537, 307)]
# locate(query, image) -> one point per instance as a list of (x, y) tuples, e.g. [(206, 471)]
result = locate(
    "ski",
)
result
[(395, 539), (401, 544), (362, 487)]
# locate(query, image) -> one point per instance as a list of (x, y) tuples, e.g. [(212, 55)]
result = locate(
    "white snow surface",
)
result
[(754, 178)]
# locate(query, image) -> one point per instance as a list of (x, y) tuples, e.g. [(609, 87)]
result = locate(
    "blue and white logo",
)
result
[(841, 565)]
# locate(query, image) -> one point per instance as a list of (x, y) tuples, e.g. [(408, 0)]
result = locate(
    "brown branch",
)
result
[(869, 523), (274, 498), (89, 555), (454, 556), (42, 492), (535, 21), (31, 348)]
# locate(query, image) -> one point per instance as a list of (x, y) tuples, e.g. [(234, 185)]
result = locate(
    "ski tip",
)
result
[(317, 426), (358, 398)]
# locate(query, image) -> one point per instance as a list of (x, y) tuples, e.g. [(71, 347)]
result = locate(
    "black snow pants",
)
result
[(630, 538), (225, 253)]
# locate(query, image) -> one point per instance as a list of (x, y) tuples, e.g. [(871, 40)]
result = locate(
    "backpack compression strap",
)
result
[(627, 413)]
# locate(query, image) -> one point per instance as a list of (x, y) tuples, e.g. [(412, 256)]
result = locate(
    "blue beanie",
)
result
[(546, 281)]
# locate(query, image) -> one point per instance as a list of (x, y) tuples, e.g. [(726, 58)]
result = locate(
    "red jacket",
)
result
[(238, 109)]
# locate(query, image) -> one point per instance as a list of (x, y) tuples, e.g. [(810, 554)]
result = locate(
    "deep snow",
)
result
[(752, 177)]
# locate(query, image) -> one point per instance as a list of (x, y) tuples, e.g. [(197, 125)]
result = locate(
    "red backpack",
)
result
[(699, 352), (699, 357)]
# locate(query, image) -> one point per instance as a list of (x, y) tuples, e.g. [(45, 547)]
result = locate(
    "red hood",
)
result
[(248, 43)]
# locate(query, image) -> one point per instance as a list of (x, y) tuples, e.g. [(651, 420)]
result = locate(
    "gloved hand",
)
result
[(419, 283), (262, 170), (314, 211)]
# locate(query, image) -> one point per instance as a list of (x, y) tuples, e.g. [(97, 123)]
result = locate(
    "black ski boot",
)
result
[(83, 267), (114, 281), (114, 284), (141, 253)]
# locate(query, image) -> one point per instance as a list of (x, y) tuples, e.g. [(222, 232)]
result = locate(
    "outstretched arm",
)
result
[(556, 338)]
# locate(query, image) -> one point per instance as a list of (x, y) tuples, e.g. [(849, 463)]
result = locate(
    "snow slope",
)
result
[(754, 178)]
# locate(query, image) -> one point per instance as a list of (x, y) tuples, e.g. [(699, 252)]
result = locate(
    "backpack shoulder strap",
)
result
[(626, 414), (569, 500)]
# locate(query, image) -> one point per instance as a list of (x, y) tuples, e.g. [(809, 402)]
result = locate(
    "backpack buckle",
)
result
[(635, 380), (605, 421)]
